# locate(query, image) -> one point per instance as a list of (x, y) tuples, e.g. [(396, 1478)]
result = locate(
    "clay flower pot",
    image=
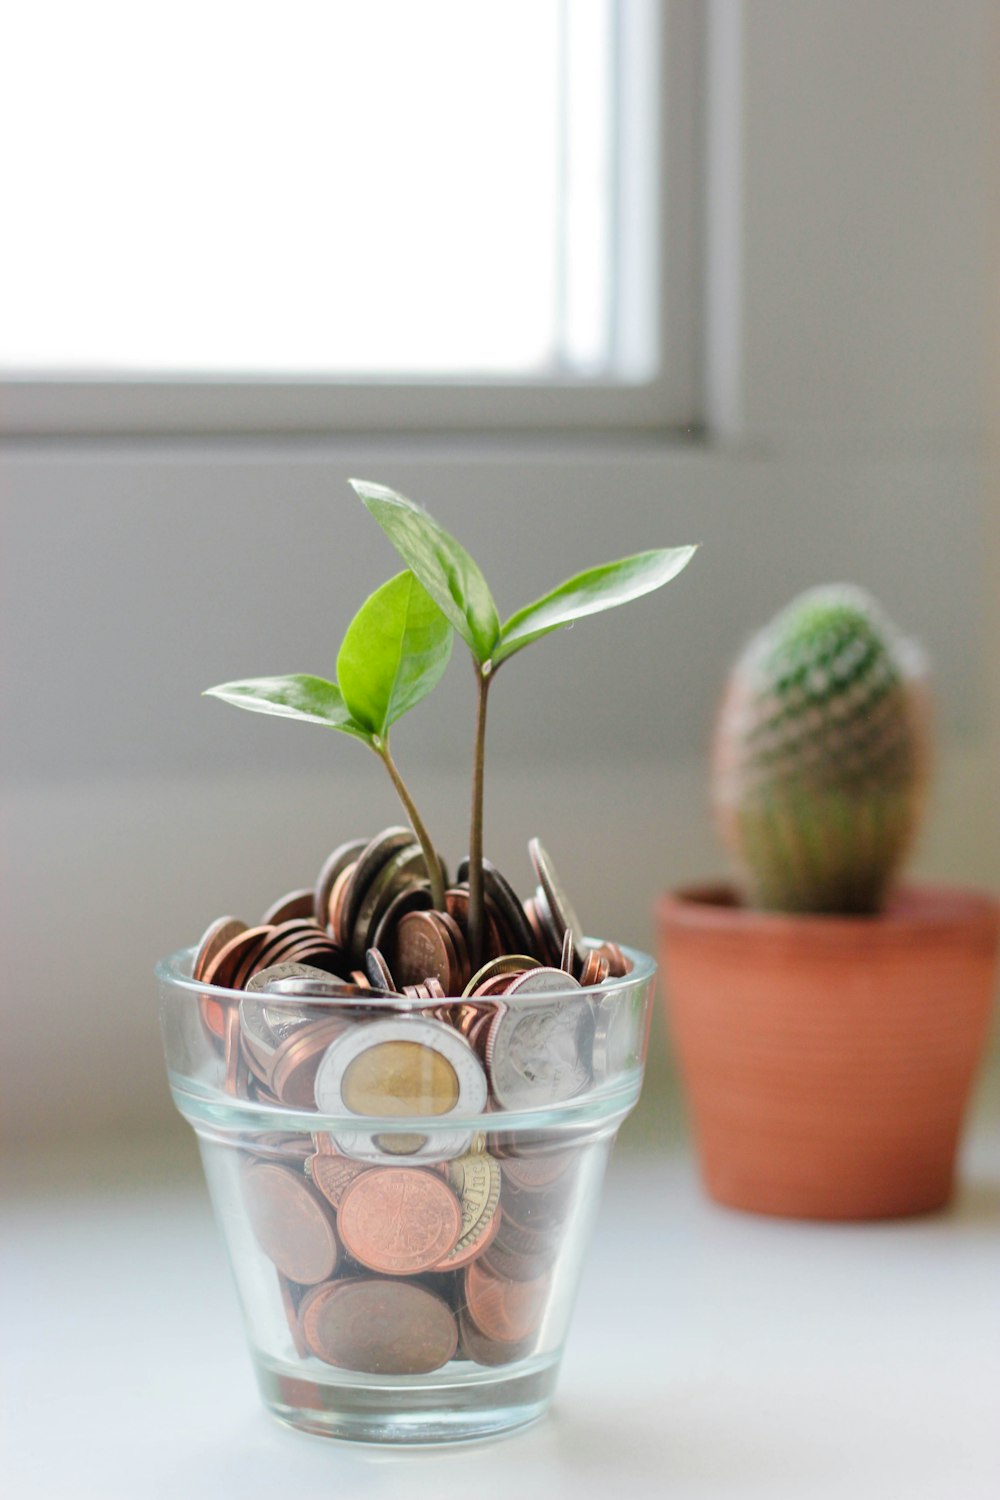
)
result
[(828, 1060)]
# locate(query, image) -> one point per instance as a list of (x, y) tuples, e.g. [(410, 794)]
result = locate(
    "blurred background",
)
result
[(583, 278)]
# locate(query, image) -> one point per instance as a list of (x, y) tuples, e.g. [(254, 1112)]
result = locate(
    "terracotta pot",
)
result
[(828, 1060)]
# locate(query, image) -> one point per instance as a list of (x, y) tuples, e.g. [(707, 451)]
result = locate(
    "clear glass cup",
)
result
[(405, 1210)]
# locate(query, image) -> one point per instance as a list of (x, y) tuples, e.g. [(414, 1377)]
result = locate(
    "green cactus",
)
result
[(820, 755)]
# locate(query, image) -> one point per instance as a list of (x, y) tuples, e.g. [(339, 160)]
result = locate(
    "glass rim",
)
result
[(174, 970)]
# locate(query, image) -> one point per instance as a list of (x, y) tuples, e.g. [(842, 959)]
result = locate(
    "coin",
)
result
[(476, 1180), (508, 905), (292, 1224), (540, 1055), (338, 861), (414, 898), (513, 963), (401, 1067), (379, 1326), (543, 941), (226, 963), (263, 978), (507, 1311), (399, 1221), (378, 972), (332, 1174), (370, 861), (430, 943), (400, 870), (295, 904), (483, 1351), (221, 932), (295, 1063), (457, 903), (555, 894)]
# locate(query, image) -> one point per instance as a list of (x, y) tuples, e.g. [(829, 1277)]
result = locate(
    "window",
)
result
[(231, 215)]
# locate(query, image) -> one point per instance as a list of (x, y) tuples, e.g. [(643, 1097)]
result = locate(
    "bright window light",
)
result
[(316, 187)]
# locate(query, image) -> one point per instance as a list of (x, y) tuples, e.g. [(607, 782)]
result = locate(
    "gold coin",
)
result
[(400, 1078)]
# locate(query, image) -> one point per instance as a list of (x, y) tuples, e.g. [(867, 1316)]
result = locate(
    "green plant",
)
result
[(395, 650), (820, 755), (457, 583), (398, 645)]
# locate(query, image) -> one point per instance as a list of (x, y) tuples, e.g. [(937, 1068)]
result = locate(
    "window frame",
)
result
[(660, 44)]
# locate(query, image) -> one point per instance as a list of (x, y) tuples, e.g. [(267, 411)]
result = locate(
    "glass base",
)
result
[(363, 1409)]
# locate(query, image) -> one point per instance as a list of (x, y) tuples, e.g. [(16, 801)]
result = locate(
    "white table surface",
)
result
[(713, 1354)]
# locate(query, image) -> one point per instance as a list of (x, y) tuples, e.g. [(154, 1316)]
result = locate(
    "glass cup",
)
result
[(406, 1188)]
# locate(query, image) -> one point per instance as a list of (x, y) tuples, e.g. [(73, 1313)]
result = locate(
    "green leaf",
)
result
[(447, 572), (311, 699), (590, 592), (395, 650)]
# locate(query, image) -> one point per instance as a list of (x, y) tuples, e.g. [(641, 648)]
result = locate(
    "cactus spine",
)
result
[(820, 755)]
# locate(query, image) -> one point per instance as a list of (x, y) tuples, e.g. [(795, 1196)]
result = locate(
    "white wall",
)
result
[(853, 275)]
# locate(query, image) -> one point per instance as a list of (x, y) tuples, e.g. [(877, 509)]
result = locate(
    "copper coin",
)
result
[(426, 945), (227, 962), (533, 1173), (297, 1059), (379, 1327), (507, 903), (221, 932), (333, 1174), (234, 1074), (295, 904), (292, 1224), (278, 939), (508, 1266), (399, 1220), (595, 969), (333, 866), (457, 903), (619, 963), (507, 1311), (483, 1351), (542, 943), (414, 898), (335, 910)]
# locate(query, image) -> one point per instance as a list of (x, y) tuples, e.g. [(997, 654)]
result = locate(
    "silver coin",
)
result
[(541, 1054), (264, 978), (558, 902), (323, 988)]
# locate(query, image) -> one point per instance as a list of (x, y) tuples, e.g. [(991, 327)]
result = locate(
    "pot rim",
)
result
[(714, 906)]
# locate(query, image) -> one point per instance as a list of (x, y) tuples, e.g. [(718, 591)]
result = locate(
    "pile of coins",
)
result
[(399, 1249), (396, 1270)]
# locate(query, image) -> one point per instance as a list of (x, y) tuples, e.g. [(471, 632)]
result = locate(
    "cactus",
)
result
[(820, 755)]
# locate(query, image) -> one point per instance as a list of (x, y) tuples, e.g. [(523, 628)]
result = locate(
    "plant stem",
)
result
[(477, 914), (381, 748)]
